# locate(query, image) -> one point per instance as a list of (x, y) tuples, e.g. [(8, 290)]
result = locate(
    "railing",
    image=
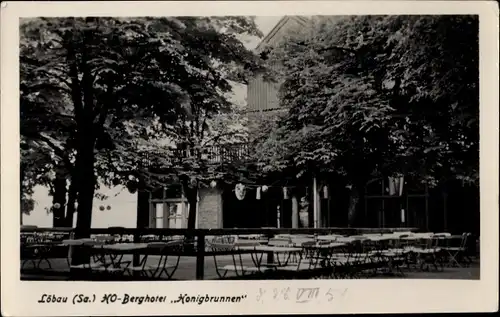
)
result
[(198, 249), (211, 155)]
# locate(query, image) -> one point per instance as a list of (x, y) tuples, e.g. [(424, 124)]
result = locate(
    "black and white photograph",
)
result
[(248, 147)]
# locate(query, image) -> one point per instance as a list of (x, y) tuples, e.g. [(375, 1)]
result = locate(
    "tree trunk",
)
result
[(86, 188), (86, 138), (59, 198), (70, 206), (192, 197), (191, 192), (84, 165), (353, 204)]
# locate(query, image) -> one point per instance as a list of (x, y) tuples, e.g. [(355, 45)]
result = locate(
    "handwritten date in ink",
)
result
[(300, 295), (76, 299)]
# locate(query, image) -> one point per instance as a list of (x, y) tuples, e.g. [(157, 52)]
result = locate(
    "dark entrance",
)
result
[(251, 212), (387, 208)]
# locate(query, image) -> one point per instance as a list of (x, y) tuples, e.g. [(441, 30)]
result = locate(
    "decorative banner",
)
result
[(396, 185), (285, 193), (264, 188), (401, 183), (258, 193), (392, 186), (240, 191)]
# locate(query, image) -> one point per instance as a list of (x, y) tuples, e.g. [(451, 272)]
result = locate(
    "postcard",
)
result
[(227, 157)]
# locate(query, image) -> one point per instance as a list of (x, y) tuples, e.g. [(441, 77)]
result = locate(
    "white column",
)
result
[(278, 214), (197, 210), (295, 212)]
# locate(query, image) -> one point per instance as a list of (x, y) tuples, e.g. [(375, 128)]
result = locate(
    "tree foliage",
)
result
[(98, 92), (371, 96), (378, 95)]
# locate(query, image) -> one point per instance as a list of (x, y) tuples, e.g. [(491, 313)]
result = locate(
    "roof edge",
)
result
[(301, 19)]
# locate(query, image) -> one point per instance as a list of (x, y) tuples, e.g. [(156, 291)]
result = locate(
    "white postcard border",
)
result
[(19, 298)]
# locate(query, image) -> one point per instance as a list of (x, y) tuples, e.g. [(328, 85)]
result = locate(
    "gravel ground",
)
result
[(187, 268)]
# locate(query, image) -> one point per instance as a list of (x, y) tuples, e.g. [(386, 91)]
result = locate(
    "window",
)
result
[(176, 215), (168, 208), (159, 216), (171, 191)]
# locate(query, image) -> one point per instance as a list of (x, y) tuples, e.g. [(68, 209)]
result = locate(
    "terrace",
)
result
[(261, 253)]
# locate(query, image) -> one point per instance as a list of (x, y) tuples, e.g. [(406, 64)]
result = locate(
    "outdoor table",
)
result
[(164, 249), (380, 238), (236, 255), (314, 256), (298, 242), (272, 250), (350, 239), (450, 237), (117, 251), (92, 244), (144, 249), (250, 236), (323, 252), (242, 242), (82, 241), (330, 237), (417, 237)]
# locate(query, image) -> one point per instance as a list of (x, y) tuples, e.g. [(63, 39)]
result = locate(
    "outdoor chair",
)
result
[(389, 257), (287, 256), (164, 250), (352, 261), (315, 255), (310, 262), (35, 254), (427, 253), (345, 262), (84, 247), (457, 254), (376, 259), (236, 267)]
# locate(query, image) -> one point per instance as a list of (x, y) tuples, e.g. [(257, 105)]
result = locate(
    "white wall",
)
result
[(122, 213)]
